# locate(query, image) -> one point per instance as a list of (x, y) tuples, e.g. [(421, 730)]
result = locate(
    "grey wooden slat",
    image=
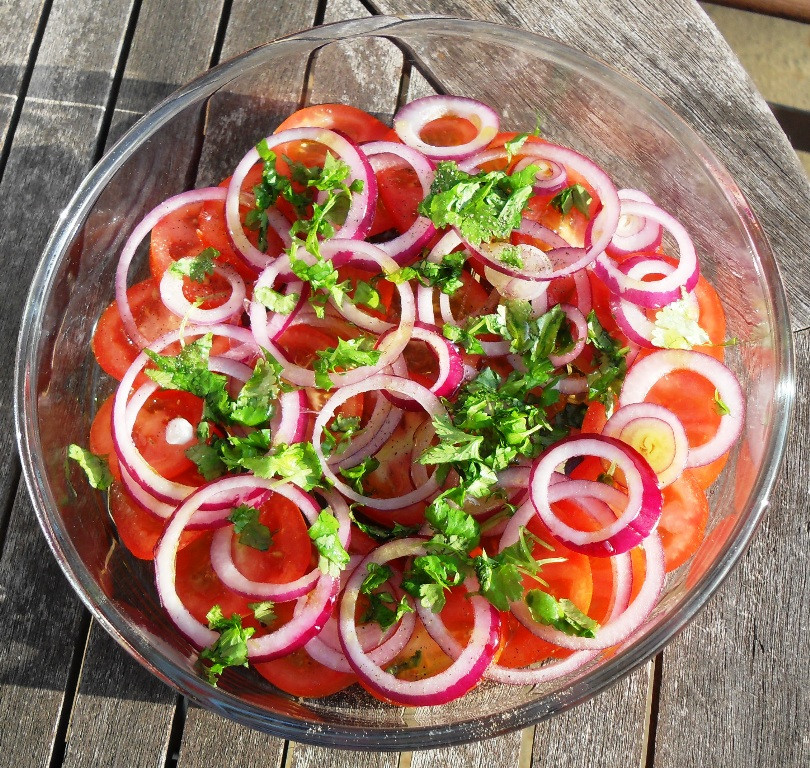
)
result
[(116, 697), (675, 51), (69, 88), (500, 751), (363, 75), (746, 701), (210, 740), (305, 756), (20, 22)]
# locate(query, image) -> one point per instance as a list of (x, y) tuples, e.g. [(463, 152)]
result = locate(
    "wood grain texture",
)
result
[(116, 699), (306, 756), (736, 683), (501, 750), (69, 87), (209, 740), (674, 50)]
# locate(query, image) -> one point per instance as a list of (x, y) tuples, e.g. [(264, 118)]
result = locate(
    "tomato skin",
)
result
[(683, 520), (299, 674), (101, 441), (354, 123), (401, 192), (448, 131)]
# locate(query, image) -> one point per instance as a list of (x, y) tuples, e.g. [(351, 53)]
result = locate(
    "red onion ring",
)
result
[(643, 502), (456, 680), (668, 288), (578, 320), (424, 396), (413, 117), (632, 423), (361, 209), (634, 233), (645, 373), (551, 177), (171, 293), (403, 248), (146, 225)]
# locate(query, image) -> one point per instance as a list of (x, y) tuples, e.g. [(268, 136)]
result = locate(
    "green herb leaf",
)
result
[(324, 533), (381, 534), (720, 405), (208, 460), (264, 612), (605, 382), (410, 663), (560, 614), (339, 433), (444, 275), (349, 354), (431, 575), (250, 531), (276, 301), (198, 267), (297, 463), (575, 196), (676, 326), (357, 473), (256, 401), (230, 648), (95, 467)]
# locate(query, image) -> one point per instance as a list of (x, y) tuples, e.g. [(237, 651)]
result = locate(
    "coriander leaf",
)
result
[(208, 460), (483, 207), (377, 576), (379, 533), (188, 370), (720, 405), (430, 575), (256, 402), (513, 146), (324, 533), (676, 326), (444, 275), (410, 663), (365, 294), (198, 267), (560, 614), (297, 463), (454, 444), (357, 473), (250, 531), (235, 450), (575, 196), (339, 433), (230, 649), (500, 582), (263, 612), (95, 467), (275, 301), (380, 610), (605, 381), (458, 530), (323, 279), (348, 354)]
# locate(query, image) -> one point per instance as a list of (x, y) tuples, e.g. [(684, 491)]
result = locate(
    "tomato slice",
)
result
[(101, 441), (300, 675), (111, 345), (401, 192), (358, 125), (448, 131), (174, 237), (683, 520), (138, 529), (290, 554)]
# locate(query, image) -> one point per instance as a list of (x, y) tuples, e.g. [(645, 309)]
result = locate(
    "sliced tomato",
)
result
[(101, 441), (174, 237), (468, 300), (149, 432), (290, 554), (111, 345), (358, 125), (683, 520), (383, 220), (301, 343), (448, 131), (300, 675), (401, 192), (138, 529)]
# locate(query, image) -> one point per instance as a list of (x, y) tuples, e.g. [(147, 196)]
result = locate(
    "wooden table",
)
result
[(731, 690)]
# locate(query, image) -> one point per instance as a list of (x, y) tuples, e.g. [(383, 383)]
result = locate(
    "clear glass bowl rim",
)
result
[(384, 738)]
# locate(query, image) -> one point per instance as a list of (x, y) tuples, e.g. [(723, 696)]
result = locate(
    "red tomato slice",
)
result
[(290, 554), (101, 442), (300, 675), (683, 520), (401, 192), (138, 529), (358, 125), (448, 131), (111, 345), (174, 237)]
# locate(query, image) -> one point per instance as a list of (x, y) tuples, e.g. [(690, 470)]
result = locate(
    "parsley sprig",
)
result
[(230, 648)]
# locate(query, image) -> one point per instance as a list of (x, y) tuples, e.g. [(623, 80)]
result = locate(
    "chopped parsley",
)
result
[(380, 533), (230, 648), (339, 433), (196, 268), (444, 275), (264, 612), (276, 301), (383, 608), (410, 663), (575, 196), (357, 473), (483, 207), (720, 405), (349, 353), (250, 532), (560, 614), (324, 534), (605, 381), (95, 467)]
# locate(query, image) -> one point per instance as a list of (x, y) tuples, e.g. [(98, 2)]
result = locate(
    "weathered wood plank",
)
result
[(114, 690), (673, 50), (20, 23), (69, 87), (736, 683), (305, 756), (501, 751), (210, 740)]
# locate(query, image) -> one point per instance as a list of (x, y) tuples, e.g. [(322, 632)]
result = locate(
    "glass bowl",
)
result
[(194, 138)]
